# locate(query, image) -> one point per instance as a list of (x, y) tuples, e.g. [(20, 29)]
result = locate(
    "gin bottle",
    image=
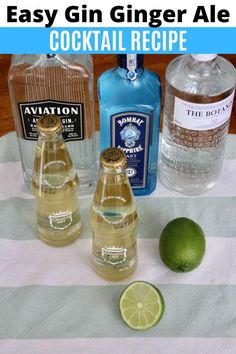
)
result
[(114, 219), (198, 104), (61, 85), (55, 184), (130, 103)]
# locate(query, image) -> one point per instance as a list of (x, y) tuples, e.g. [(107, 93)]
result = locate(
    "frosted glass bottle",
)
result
[(129, 104), (61, 85), (55, 185), (198, 103), (114, 219)]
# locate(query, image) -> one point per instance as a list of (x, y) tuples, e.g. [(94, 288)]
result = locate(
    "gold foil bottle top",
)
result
[(49, 124), (113, 158)]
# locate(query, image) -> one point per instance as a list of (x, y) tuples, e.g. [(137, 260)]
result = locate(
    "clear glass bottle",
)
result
[(198, 104), (55, 185), (61, 85), (114, 219), (129, 104)]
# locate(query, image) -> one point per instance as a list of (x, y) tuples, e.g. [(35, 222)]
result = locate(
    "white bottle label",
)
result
[(61, 220), (202, 116), (114, 255)]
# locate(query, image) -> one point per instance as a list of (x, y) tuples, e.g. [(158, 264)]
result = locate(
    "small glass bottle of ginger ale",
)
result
[(114, 219), (55, 184)]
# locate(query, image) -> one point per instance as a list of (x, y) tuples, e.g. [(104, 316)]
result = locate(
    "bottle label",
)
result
[(130, 132), (70, 113), (61, 220), (202, 116), (200, 125), (114, 255)]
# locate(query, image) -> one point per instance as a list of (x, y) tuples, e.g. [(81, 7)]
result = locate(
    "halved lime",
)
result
[(141, 305)]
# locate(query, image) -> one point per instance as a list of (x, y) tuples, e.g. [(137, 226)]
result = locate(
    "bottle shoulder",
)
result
[(113, 190), (112, 86), (80, 65), (107, 75), (84, 59), (112, 74), (201, 78)]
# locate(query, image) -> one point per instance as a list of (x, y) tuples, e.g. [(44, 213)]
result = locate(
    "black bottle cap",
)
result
[(122, 60), (50, 56)]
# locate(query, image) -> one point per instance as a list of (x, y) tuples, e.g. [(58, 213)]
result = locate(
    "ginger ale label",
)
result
[(130, 132), (70, 113), (60, 220), (114, 255)]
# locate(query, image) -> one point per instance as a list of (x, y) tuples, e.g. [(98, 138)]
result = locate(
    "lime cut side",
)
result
[(141, 305)]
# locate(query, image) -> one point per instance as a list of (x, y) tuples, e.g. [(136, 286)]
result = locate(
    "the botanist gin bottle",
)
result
[(114, 219), (61, 85), (198, 104), (130, 102), (55, 184)]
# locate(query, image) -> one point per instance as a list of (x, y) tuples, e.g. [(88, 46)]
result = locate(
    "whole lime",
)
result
[(182, 245)]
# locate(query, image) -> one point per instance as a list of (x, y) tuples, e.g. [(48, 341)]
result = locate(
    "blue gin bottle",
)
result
[(130, 104)]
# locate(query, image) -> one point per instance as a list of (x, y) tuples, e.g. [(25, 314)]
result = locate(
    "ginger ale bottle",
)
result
[(55, 184), (114, 219)]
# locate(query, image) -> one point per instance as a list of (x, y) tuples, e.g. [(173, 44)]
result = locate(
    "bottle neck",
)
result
[(130, 66), (113, 189), (123, 73), (50, 139), (110, 177), (50, 60), (198, 68), (204, 57), (113, 172)]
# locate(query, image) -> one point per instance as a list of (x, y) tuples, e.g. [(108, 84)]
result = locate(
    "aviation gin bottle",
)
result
[(114, 219), (129, 103), (55, 184), (61, 85), (198, 104)]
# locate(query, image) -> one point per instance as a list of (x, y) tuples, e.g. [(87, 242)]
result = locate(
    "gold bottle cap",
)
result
[(49, 124), (113, 158)]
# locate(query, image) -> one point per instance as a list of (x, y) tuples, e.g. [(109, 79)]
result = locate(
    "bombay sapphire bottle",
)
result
[(129, 103)]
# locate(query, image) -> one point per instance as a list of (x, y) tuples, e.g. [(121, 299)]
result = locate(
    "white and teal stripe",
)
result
[(51, 301), (40, 311), (70, 266), (215, 215), (140, 345)]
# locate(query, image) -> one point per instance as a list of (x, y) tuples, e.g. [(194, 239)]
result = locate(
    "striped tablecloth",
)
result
[(52, 302)]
